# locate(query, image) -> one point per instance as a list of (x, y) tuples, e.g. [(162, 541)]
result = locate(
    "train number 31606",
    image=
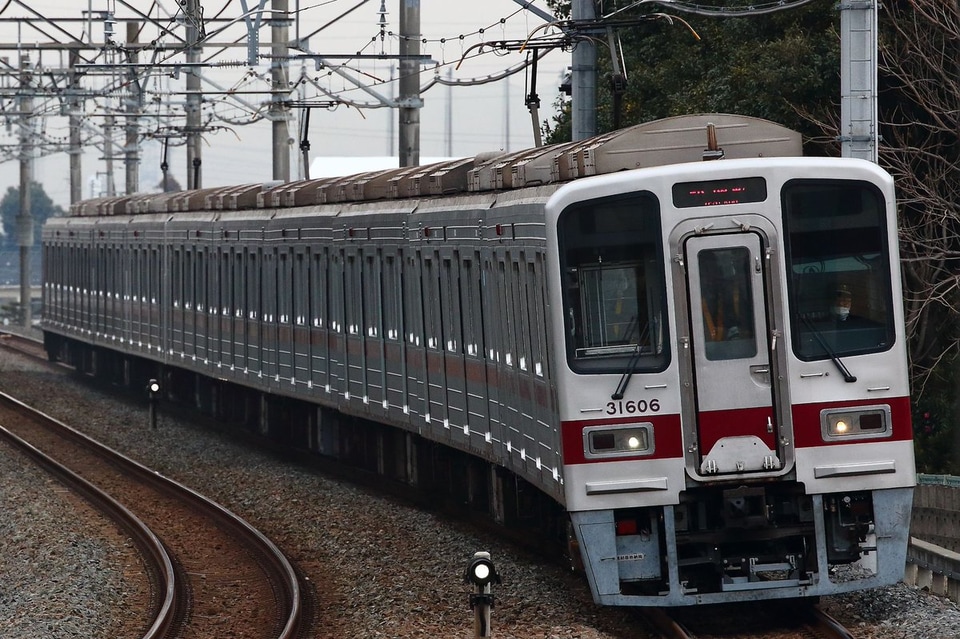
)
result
[(631, 407)]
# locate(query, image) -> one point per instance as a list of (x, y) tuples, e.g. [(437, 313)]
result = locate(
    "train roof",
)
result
[(680, 139)]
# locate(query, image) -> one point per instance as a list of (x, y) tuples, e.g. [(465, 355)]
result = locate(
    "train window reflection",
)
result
[(614, 293), (727, 300), (839, 285)]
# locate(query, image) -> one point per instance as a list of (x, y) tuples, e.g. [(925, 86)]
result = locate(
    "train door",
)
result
[(435, 390), (319, 366), (736, 420), (285, 320), (254, 329), (302, 293)]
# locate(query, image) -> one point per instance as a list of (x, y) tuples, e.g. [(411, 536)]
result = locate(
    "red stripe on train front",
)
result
[(668, 441), (806, 421)]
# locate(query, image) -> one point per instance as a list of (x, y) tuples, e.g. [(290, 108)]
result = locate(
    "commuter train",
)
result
[(684, 335)]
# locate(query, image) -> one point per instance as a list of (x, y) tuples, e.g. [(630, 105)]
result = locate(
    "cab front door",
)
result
[(731, 345)]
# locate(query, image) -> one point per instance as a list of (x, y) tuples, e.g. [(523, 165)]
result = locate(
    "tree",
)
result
[(41, 207), (920, 128), (785, 67), (779, 66)]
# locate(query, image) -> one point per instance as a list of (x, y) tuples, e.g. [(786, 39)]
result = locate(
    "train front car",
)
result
[(732, 380)]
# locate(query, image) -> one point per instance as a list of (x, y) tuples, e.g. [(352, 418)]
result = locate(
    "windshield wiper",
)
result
[(847, 375), (634, 359)]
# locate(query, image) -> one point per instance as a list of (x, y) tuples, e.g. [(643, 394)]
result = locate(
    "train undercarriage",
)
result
[(743, 543)]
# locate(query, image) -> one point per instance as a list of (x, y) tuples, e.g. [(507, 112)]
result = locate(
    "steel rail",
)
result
[(290, 596), (152, 549)]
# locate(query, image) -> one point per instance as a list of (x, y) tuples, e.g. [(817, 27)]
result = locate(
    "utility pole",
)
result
[(74, 112), (25, 216), (584, 76), (410, 101), (392, 125), (506, 115), (108, 123), (859, 135), (448, 123), (134, 102), (280, 88), (194, 97)]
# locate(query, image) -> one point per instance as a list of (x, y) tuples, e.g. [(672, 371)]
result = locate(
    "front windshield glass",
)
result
[(614, 294), (839, 272)]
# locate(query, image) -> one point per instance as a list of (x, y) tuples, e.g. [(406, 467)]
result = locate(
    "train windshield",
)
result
[(614, 293), (839, 269)]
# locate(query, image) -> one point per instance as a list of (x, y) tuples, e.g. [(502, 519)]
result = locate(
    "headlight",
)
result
[(855, 423), (618, 441)]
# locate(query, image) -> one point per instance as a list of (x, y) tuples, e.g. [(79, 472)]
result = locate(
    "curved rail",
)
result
[(289, 585), (148, 543)]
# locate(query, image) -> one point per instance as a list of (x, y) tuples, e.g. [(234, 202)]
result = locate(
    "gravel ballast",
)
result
[(381, 568)]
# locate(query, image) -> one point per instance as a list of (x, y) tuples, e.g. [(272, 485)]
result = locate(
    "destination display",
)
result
[(719, 192)]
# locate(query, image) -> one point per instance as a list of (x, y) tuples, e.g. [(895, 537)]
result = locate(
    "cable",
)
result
[(772, 6)]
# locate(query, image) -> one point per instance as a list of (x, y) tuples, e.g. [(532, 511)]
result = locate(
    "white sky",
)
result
[(487, 117)]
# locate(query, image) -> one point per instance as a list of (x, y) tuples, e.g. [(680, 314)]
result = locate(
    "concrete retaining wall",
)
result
[(933, 558)]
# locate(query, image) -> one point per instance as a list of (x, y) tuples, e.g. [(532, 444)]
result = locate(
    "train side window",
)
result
[(611, 260), (839, 283)]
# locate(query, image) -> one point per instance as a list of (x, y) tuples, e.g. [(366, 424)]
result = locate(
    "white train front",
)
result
[(732, 380), (703, 363)]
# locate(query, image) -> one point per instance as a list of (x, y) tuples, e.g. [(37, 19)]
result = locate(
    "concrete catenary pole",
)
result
[(584, 77), (75, 110), (409, 101), (134, 102), (108, 123), (859, 136), (194, 96), (280, 84), (25, 216)]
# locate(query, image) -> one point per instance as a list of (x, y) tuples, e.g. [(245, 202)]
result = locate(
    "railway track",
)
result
[(21, 344), (211, 573), (795, 620), (800, 621)]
